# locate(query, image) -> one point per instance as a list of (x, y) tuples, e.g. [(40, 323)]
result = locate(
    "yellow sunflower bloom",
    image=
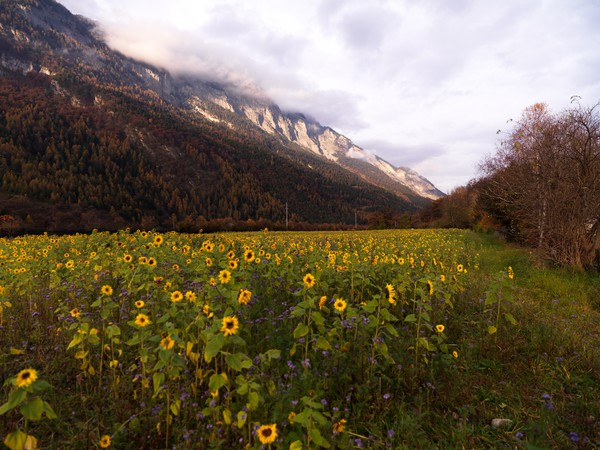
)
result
[(230, 325), (105, 441), (391, 297), (339, 426), (340, 305), (309, 280), (244, 296), (249, 256), (176, 296), (142, 320), (167, 343), (322, 301), (267, 433), (440, 328), (224, 276), (26, 377), (106, 290)]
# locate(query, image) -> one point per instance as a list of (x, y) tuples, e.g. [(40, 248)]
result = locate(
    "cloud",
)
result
[(422, 84)]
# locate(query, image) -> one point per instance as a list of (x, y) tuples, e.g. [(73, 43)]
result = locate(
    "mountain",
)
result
[(87, 130)]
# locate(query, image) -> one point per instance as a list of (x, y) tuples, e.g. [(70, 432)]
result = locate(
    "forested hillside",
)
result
[(97, 157)]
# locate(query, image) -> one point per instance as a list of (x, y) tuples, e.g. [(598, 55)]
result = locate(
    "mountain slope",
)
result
[(182, 151)]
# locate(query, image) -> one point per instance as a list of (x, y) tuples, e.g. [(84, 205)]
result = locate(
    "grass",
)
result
[(524, 349)]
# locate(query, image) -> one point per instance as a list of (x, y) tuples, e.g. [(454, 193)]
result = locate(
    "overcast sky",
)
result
[(421, 83)]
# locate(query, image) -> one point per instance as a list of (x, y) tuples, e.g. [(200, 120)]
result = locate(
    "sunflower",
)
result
[(440, 328), (230, 254), (26, 377), (191, 296), (176, 296), (430, 284), (208, 261), (151, 262), (167, 343), (340, 305), (75, 312), (230, 325), (158, 239), (139, 304), (455, 354), (142, 320), (443, 278), (309, 280), (460, 268), (206, 311), (249, 255), (175, 267), (244, 296), (232, 264), (322, 301), (391, 294), (339, 426), (127, 258), (267, 433), (107, 290), (224, 276), (105, 441), (70, 264)]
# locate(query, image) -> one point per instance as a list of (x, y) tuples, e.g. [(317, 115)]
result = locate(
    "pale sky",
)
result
[(421, 83)]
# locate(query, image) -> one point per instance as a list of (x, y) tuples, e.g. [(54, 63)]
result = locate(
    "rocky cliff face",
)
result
[(67, 40), (324, 141)]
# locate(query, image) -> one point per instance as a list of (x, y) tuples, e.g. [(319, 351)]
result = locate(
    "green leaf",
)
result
[(227, 416), (303, 417), (112, 331), (213, 347), (510, 318), (50, 414), (253, 400), (300, 331), (15, 398), (391, 330), (317, 317), (410, 318), (75, 341), (134, 340), (157, 381), (176, 407), (33, 408), (242, 416), (274, 353), (217, 381), (371, 306), (490, 298), (317, 438), (323, 344), (296, 445), (373, 321), (238, 361), (15, 440)]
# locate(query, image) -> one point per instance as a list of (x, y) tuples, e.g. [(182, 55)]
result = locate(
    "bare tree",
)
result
[(545, 179)]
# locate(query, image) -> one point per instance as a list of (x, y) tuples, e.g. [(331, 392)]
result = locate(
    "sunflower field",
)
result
[(387, 339)]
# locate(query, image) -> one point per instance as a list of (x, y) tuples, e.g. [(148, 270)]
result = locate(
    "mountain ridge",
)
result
[(43, 37)]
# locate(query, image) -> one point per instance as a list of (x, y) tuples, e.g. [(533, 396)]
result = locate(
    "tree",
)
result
[(544, 181)]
